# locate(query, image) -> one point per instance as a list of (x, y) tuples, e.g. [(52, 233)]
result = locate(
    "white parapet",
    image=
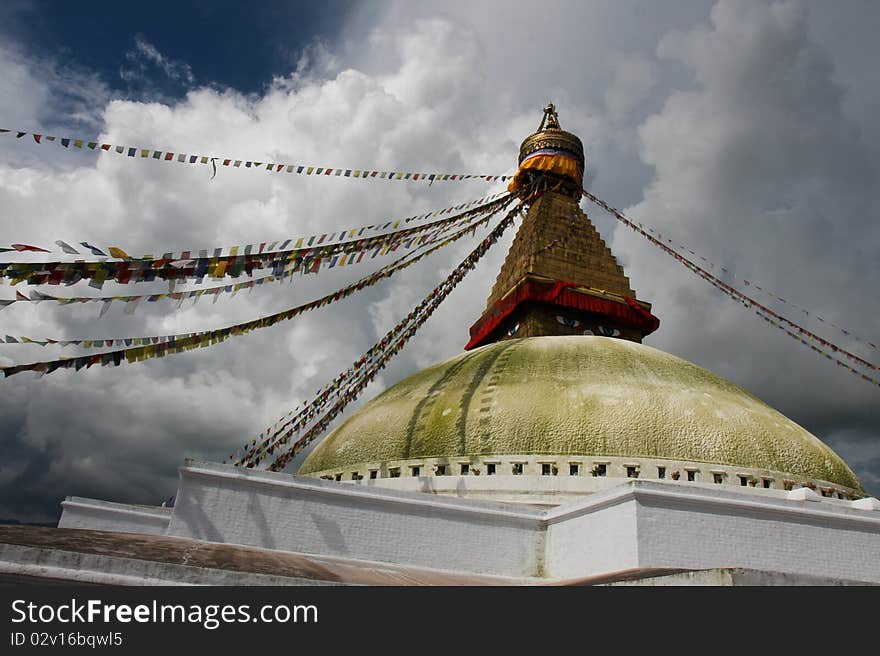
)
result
[(868, 503), (644, 524), (636, 524), (221, 503), (78, 512), (633, 525)]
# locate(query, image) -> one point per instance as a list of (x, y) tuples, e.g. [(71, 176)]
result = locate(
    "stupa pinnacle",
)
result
[(559, 277)]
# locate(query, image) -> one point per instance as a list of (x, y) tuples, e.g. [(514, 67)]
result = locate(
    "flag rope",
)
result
[(134, 271), (139, 152), (762, 310), (751, 283), (160, 346), (397, 338), (257, 248), (421, 236)]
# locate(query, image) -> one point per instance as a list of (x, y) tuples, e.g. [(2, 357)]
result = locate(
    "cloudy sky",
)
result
[(745, 130)]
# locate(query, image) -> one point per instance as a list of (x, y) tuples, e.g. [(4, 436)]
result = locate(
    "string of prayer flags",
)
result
[(307, 257), (378, 351), (395, 341), (267, 246), (741, 297), (308, 410), (138, 152), (752, 284), (35, 296), (132, 301), (144, 348), (776, 324)]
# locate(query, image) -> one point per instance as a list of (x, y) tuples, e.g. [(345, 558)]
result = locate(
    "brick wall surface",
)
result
[(557, 239)]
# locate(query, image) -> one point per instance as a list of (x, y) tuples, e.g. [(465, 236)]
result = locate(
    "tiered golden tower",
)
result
[(559, 277)]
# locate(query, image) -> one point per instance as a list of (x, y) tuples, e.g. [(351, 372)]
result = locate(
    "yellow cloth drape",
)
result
[(558, 164)]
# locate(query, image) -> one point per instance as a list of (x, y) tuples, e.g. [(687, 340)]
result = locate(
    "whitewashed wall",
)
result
[(223, 504), (661, 525), (811, 537), (78, 512), (586, 539), (637, 524)]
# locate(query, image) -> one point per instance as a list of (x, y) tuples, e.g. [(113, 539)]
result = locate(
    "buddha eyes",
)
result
[(568, 321), (513, 329)]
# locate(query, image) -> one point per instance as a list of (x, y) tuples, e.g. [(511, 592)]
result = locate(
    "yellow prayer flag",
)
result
[(115, 251)]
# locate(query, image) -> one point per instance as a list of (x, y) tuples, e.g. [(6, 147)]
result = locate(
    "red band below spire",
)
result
[(561, 293)]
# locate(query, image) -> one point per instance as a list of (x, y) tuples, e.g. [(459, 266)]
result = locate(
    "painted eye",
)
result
[(608, 332), (568, 321), (513, 329)]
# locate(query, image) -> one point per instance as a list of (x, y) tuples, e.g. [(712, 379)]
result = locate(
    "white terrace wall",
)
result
[(78, 512), (637, 524), (223, 504), (593, 537), (662, 525), (813, 536)]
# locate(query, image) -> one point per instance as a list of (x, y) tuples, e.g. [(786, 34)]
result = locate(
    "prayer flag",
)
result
[(95, 250), (28, 247)]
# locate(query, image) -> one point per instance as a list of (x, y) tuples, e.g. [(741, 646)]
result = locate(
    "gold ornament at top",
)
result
[(551, 135), (551, 118)]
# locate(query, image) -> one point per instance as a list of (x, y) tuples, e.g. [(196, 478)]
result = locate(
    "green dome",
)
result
[(590, 396)]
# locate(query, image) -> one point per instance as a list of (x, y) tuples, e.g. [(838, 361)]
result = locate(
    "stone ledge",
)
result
[(130, 559)]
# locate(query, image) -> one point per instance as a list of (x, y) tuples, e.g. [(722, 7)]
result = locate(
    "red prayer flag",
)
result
[(28, 247)]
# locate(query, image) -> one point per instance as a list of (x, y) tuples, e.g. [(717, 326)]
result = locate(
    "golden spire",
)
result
[(550, 157), (559, 277), (550, 120)]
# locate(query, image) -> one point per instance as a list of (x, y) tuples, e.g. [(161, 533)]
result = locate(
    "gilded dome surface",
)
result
[(578, 395)]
